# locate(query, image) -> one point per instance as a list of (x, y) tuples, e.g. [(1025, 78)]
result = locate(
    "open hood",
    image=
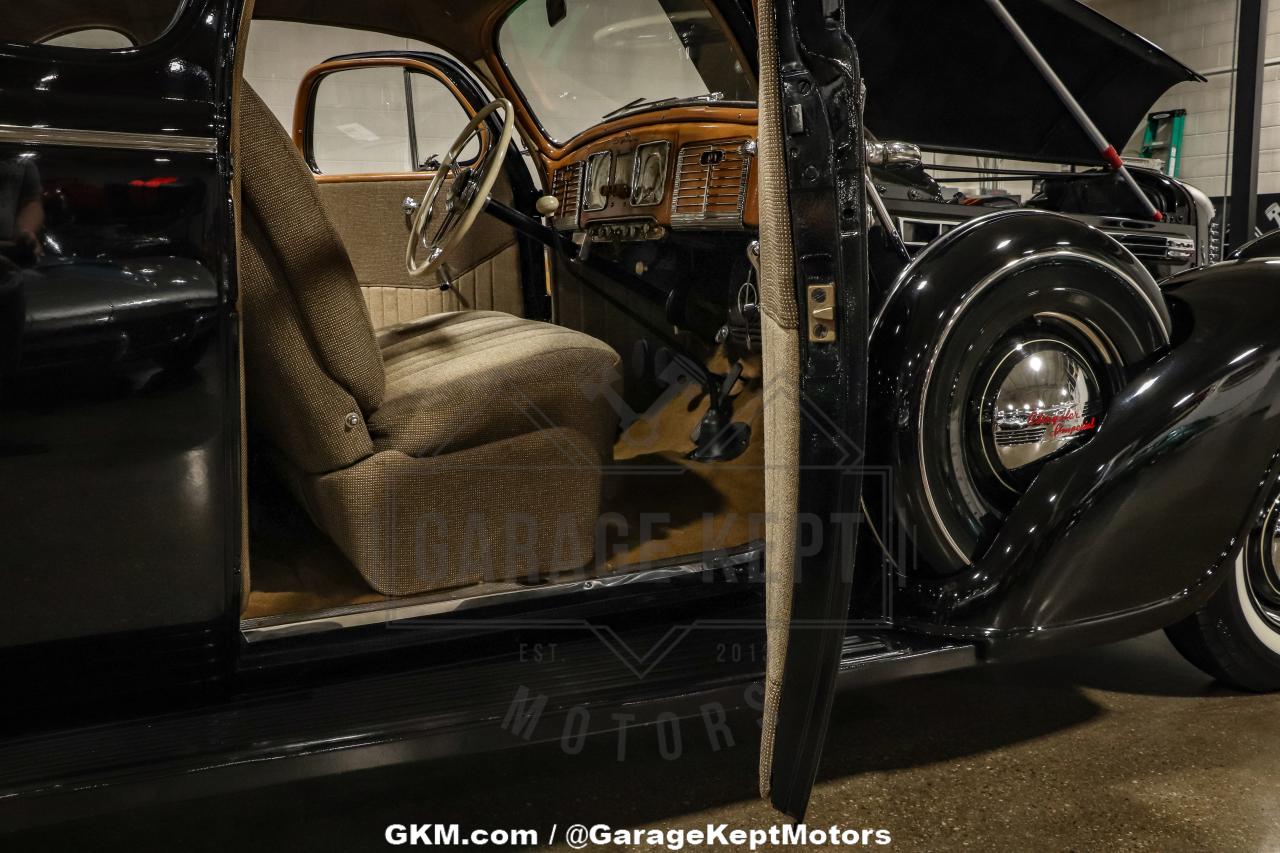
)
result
[(949, 77)]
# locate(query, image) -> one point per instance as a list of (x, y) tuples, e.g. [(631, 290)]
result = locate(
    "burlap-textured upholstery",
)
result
[(484, 269), (523, 376), (279, 191), (473, 453), (292, 401), (491, 285), (782, 382), (519, 508)]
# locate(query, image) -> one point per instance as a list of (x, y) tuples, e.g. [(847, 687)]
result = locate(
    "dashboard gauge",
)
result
[(649, 176), (599, 177)]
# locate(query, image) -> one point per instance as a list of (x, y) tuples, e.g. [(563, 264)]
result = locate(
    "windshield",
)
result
[(579, 61)]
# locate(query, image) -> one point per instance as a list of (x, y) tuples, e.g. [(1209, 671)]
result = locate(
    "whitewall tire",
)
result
[(1236, 636)]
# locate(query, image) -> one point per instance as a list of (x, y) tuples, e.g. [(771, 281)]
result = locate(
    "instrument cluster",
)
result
[(642, 184), (638, 176)]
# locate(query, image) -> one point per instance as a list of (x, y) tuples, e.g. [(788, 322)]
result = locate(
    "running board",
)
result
[(534, 683), (531, 685), (871, 659)]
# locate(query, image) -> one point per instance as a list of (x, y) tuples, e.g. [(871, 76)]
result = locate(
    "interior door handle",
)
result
[(410, 207)]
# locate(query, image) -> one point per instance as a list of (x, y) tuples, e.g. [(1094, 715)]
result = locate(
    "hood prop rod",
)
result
[(1105, 148)]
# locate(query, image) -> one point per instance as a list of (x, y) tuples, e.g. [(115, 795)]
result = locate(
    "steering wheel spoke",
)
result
[(446, 224), (468, 190)]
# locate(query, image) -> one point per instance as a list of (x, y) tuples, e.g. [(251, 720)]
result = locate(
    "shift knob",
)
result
[(548, 205)]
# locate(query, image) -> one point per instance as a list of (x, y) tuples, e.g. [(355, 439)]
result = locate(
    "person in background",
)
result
[(21, 209), (21, 221)]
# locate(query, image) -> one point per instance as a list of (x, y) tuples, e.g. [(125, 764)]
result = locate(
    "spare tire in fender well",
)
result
[(963, 297)]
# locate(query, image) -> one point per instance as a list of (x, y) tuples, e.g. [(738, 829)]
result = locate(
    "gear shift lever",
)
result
[(717, 437)]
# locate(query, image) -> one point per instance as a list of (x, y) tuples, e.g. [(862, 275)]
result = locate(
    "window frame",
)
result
[(182, 10), (554, 148), (94, 28), (305, 108)]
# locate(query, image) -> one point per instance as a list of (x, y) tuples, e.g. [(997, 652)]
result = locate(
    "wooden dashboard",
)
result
[(611, 183)]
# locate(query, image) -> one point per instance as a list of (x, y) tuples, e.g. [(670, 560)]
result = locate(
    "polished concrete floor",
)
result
[(1120, 748)]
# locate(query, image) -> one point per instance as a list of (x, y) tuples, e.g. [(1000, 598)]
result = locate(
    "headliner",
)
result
[(458, 27)]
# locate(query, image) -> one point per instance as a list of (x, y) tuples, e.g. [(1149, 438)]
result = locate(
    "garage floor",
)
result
[(1120, 748)]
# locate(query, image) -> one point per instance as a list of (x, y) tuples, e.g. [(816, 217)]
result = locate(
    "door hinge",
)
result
[(822, 314)]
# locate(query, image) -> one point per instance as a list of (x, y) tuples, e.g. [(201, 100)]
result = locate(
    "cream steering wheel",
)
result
[(466, 197)]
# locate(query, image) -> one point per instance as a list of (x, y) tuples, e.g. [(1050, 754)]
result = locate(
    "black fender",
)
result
[(962, 270), (1138, 527), (1266, 246)]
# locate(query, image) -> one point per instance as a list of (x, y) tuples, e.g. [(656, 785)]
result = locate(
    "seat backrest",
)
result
[(313, 368)]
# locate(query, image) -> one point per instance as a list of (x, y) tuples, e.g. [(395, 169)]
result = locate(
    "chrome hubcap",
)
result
[(1045, 398)]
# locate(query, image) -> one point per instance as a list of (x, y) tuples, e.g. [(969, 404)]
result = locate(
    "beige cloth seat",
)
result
[(525, 376), (456, 449)]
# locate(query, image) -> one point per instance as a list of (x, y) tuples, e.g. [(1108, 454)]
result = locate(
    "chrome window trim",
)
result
[(70, 137)]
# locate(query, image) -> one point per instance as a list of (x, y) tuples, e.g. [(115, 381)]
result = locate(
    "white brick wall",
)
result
[(1201, 33)]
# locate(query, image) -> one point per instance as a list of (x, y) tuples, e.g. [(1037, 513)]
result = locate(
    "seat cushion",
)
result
[(510, 510), (456, 381)]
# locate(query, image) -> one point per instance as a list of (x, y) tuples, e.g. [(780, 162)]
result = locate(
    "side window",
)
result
[(94, 38), (383, 119), (439, 119), (87, 24)]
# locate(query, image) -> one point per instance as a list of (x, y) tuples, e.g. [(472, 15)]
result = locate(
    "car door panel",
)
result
[(484, 273), (814, 287), (366, 198), (119, 412)]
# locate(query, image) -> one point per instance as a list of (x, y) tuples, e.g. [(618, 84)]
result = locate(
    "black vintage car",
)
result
[(316, 435)]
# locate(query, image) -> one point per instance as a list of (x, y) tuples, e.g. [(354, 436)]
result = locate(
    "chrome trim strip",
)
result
[(1005, 271), (396, 610), (23, 135)]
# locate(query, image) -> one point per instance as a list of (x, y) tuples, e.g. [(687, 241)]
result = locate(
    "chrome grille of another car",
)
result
[(711, 185)]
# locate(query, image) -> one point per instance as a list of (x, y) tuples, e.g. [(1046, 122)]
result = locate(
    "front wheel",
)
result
[(1236, 637)]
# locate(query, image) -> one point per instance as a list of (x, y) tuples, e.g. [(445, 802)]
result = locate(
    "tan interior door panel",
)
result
[(368, 126), (484, 271)]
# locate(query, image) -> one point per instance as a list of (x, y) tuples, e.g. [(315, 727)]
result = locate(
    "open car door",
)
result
[(815, 293)]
